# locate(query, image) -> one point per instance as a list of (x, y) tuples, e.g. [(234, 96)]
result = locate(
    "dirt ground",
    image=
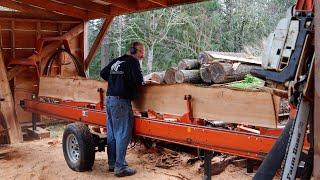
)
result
[(43, 159)]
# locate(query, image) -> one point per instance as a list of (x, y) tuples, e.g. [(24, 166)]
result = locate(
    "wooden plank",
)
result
[(316, 135), (19, 16), (216, 55), (13, 40), (22, 7), (15, 71), (218, 103), (128, 5), (233, 106), (72, 89), (163, 3), (7, 107), (87, 4), (106, 24), (66, 9)]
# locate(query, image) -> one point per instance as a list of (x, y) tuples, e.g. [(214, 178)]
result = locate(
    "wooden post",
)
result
[(97, 42), (316, 135), (7, 106)]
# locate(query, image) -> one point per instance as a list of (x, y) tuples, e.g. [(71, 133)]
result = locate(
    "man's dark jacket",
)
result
[(123, 75)]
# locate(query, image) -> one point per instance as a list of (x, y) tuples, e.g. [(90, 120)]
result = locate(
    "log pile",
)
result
[(210, 68)]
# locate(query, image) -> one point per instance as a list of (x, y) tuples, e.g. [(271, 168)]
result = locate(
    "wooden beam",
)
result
[(59, 7), (47, 50), (86, 89), (13, 40), (162, 3), (37, 12), (316, 135), (19, 16), (89, 5), (224, 104), (128, 5), (15, 71), (7, 107), (97, 42)]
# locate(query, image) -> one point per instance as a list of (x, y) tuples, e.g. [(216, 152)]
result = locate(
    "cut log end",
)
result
[(169, 76), (179, 77), (218, 73), (205, 74)]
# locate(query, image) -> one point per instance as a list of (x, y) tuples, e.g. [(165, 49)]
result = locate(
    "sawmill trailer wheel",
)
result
[(79, 147)]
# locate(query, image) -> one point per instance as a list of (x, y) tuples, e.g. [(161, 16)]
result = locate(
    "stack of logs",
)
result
[(210, 68)]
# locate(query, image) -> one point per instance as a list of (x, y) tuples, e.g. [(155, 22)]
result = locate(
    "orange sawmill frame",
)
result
[(245, 144)]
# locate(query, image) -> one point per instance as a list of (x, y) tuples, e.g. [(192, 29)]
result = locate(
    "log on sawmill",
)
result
[(228, 72), (187, 64), (206, 57), (169, 75), (158, 77), (205, 73), (188, 76)]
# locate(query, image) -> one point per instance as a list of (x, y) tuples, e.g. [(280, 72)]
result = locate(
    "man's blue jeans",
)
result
[(119, 128)]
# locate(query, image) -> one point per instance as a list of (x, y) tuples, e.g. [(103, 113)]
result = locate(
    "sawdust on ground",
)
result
[(43, 159)]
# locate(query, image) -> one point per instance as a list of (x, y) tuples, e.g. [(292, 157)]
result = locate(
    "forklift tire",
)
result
[(78, 147)]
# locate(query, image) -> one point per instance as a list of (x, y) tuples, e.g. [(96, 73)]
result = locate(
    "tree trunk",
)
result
[(188, 76), (158, 77), (169, 75), (205, 73), (187, 64), (228, 72), (150, 58), (105, 52)]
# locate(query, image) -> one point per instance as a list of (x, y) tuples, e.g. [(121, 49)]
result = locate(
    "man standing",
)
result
[(124, 76)]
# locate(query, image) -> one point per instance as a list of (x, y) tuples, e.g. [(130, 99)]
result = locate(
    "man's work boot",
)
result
[(126, 172)]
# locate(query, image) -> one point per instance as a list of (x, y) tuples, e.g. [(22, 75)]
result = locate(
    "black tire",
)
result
[(82, 158)]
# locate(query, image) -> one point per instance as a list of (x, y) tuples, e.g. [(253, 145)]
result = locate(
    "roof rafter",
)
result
[(87, 4), (128, 5), (163, 3), (32, 11), (59, 7)]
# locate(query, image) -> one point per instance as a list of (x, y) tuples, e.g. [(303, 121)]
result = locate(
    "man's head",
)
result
[(137, 50)]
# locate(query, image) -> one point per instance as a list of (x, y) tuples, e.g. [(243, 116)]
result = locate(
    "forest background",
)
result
[(180, 32)]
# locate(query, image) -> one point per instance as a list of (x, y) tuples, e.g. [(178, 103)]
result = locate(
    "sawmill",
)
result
[(45, 54)]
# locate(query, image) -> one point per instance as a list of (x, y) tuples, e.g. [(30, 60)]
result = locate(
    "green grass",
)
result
[(249, 82)]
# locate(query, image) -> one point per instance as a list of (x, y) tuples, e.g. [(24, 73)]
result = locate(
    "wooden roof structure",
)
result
[(77, 11), (82, 9)]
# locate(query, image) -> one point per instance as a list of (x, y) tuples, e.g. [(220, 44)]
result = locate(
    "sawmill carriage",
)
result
[(45, 39)]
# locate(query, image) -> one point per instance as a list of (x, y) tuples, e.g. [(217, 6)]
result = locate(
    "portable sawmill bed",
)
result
[(175, 112)]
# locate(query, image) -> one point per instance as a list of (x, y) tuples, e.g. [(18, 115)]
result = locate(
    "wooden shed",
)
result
[(31, 32)]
